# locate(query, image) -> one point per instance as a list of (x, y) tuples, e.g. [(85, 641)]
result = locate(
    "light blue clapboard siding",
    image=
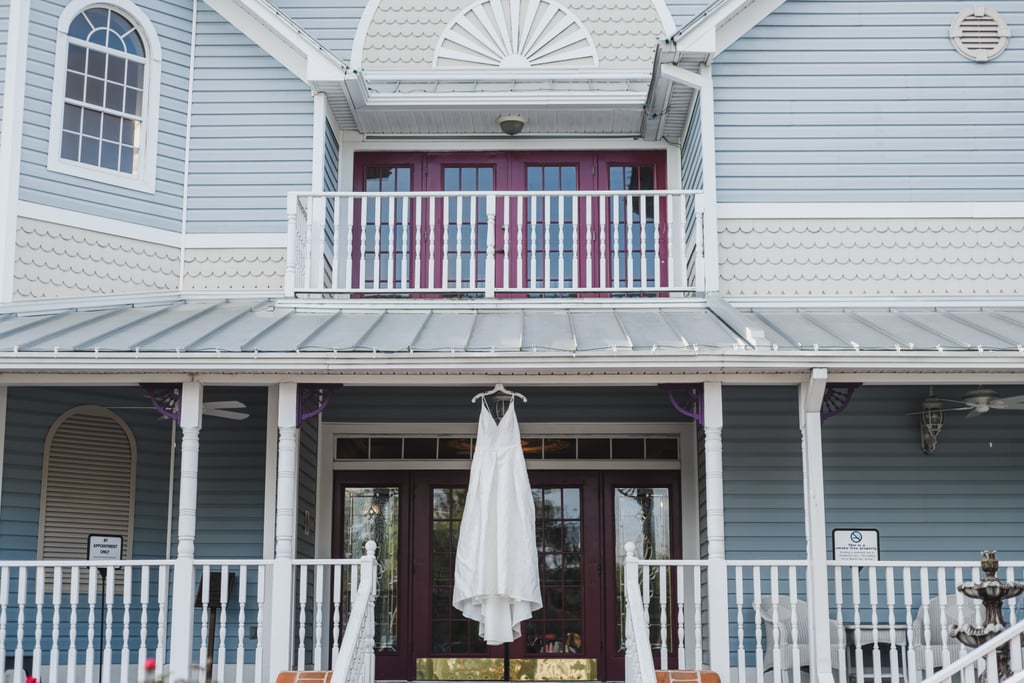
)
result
[(252, 134), (5, 14), (829, 100), (693, 178), (762, 473), (685, 10), (961, 500), (231, 473), (161, 209), (305, 542), (232, 466), (333, 24)]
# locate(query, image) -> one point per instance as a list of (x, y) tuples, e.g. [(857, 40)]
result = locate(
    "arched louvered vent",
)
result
[(88, 483), (516, 34), (979, 34)]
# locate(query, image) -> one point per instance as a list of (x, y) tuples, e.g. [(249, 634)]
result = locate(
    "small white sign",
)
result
[(105, 547), (855, 545)]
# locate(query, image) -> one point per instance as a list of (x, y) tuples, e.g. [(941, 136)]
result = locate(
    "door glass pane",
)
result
[(450, 632), (550, 224), (371, 514), (634, 233), (641, 516), (557, 628), (465, 236)]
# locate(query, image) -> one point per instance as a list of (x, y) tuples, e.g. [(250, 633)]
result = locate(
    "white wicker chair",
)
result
[(778, 619)]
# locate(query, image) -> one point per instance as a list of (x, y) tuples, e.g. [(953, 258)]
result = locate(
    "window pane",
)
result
[(72, 118), (75, 87), (115, 97), (116, 69), (96, 63), (109, 155), (80, 28), (69, 146), (76, 58), (90, 151), (133, 102), (133, 74), (372, 514), (94, 92), (133, 44), (127, 160), (111, 127), (91, 122), (97, 16)]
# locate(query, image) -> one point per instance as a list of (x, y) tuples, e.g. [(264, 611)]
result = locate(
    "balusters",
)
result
[(56, 598), (243, 591), (301, 611), (126, 604)]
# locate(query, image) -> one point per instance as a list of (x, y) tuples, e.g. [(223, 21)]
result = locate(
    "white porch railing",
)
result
[(477, 244), (976, 665), (93, 622), (888, 621)]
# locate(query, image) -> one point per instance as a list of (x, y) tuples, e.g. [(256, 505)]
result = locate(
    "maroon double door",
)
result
[(583, 520), (536, 233)]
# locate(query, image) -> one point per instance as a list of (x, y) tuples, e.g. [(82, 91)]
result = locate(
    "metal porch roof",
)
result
[(655, 328)]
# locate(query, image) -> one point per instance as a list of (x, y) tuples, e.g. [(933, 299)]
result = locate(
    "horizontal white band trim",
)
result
[(841, 210), (107, 226), (237, 240)]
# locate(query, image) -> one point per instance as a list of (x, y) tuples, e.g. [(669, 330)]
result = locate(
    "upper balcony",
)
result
[(496, 244)]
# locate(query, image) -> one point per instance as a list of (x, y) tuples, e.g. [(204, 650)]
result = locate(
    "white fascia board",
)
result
[(723, 25), (634, 365), (518, 100), (684, 77), (840, 210), (280, 38), (510, 75), (99, 224)]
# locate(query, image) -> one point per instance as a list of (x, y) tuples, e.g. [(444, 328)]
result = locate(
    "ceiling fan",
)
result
[(230, 410), (979, 401)]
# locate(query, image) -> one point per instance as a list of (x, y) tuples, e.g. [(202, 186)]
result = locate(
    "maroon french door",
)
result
[(583, 520), (559, 241)]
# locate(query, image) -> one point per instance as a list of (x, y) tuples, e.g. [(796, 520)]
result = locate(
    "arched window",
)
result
[(106, 100), (88, 483)]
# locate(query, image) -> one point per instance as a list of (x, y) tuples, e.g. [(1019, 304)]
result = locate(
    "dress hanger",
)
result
[(499, 388)]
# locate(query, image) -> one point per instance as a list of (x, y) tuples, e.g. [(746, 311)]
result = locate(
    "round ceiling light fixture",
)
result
[(511, 124)]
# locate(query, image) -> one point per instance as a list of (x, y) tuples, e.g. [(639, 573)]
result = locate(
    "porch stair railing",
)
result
[(355, 658), (486, 244), (977, 664), (639, 659)]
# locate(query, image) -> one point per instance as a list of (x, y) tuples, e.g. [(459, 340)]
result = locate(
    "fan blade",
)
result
[(227, 414), (215, 405), (1009, 403), (974, 413)]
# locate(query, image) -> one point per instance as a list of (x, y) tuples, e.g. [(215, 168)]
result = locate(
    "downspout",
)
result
[(11, 128), (811, 393), (188, 144)]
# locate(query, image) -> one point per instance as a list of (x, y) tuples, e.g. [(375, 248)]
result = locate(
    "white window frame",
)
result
[(144, 178)]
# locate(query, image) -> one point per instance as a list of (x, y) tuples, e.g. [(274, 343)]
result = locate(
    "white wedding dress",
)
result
[(496, 575)]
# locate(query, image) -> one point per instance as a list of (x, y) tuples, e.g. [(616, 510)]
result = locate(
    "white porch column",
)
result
[(182, 603), (811, 393), (718, 573), (280, 631)]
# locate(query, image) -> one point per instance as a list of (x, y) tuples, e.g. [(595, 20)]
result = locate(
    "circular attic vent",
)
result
[(979, 34)]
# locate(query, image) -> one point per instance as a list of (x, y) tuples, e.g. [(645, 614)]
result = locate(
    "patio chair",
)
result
[(788, 611), (929, 634)]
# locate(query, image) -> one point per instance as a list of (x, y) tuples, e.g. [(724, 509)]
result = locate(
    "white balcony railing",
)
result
[(485, 244)]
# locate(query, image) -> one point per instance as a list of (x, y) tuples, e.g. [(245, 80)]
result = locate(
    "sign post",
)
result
[(104, 548)]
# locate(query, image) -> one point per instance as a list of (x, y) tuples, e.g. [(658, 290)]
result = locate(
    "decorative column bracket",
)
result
[(691, 404), (837, 396), (166, 399), (312, 400)]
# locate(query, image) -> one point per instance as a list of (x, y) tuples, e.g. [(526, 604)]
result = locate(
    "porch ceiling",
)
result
[(546, 337)]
